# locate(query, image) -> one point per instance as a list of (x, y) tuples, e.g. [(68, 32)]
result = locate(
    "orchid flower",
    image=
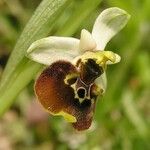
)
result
[(75, 72)]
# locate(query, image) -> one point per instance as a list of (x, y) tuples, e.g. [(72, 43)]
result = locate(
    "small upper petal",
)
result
[(86, 41), (108, 24), (51, 49)]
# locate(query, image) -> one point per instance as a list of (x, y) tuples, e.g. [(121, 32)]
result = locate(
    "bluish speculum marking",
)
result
[(83, 83)]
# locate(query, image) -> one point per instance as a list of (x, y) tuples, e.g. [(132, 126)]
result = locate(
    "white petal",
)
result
[(102, 82), (51, 49), (108, 24), (86, 41)]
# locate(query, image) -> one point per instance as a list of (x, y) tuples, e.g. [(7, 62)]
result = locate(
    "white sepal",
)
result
[(51, 49), (108, 24)]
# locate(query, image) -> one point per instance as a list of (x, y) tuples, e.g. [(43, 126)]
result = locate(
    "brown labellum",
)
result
[(62, 87)]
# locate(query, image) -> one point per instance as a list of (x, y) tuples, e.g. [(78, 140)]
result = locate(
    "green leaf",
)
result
[(82, 12), (38, 26), (24, 74)]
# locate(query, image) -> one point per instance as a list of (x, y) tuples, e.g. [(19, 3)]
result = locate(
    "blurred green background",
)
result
[(122, 117)]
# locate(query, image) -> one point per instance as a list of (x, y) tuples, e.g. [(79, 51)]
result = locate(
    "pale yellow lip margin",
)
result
[(67, 117)]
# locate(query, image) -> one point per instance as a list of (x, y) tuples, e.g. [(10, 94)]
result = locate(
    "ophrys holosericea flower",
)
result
[(75, 72)]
